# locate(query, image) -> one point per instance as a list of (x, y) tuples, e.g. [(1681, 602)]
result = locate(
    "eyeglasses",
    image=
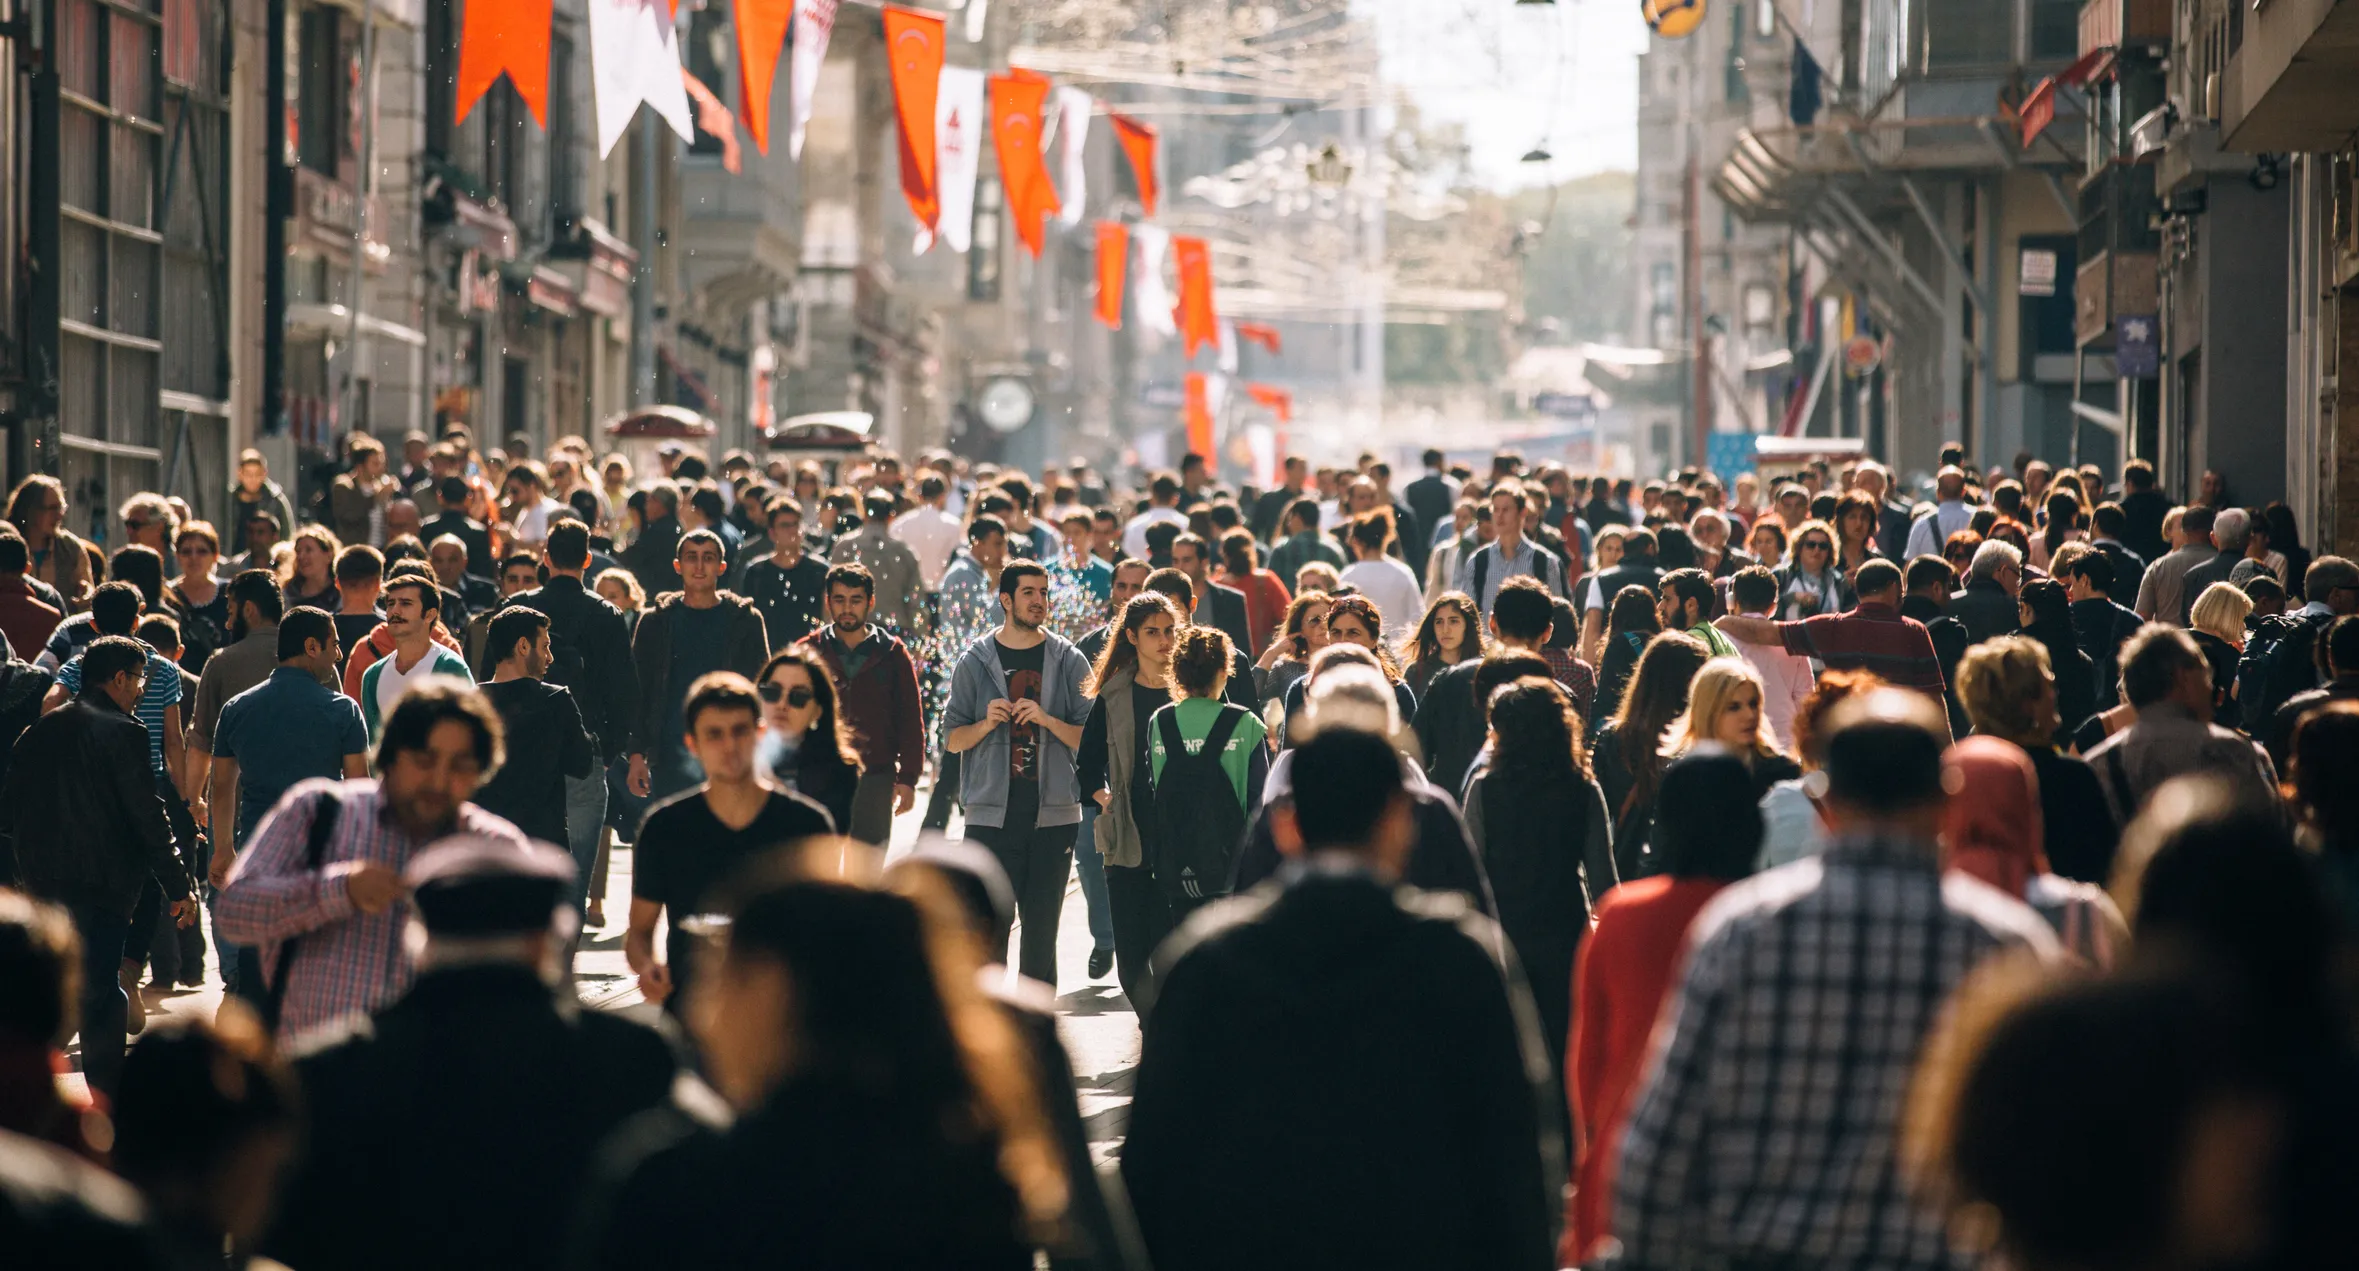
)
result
[(134, 526), (797, 697), (1814, 545)]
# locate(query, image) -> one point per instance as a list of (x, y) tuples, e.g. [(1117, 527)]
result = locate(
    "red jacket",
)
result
[(1621, 979), (25, 619), (879, 704)]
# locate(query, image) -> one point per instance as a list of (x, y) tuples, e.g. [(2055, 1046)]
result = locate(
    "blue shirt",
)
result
[(287, 728), (161, 693)]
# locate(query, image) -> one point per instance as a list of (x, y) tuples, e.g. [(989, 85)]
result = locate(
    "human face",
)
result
[(1449, 632), (261, 536), (1763, 544), (449, 561), (1129, 581), (1859, 524), (700, 565), (1363, 497), (1791, 508), (126, 688), (1671, 610), (539, 657), (147, 530), (1740, 719), (1315, 635), (1813, 551), (990, 551), (1507, 514), (1187, 560), (516, 579), (786, 534), (848, 606), (790, 705), (1028, 607), (251, 476), (312, 559), (196, 557), (1348, 629), (723, 741), (1153, 640), (405, 614), (426, 786), (1105, 537), (1609, 553)]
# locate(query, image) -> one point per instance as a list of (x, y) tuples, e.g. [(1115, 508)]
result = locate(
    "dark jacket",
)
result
[(2101, 627), (1633, 571), (455, 1129), (1099, 1233), (1224, 609), (2129, 568), (745, 646), (2145, 511), (82, 809), (1949, 646), (1549, 851), (1442, 859), (826, 1176), (2075, 820), (649, 557), (546, 744), (2076, 679), (1421, 1144), (1985, 609), (1432, 498), (1449, 724), (881, 705), (467, 530), (2276, 732), (593, 645)]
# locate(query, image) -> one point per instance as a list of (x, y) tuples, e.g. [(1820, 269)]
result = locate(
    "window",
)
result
[(2055, 30), (505, 117), (565, 195), (318, 85), (1960, 34), (983, 260)]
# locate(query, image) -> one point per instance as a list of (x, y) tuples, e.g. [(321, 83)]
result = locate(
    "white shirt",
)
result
[(392, 682), (532, 524), (1394, 590), (931, 535), (1134, 534), (1926, 537), (1786, 678)]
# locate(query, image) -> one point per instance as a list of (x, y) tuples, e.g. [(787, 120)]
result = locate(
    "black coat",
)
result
[(2101, 627), (605, 682), (745, 646), (546, 744), (1224, 608), (1450, 725), (1550, 857), (649, 557), (1431, 498), (1420, 1143), (82, 809), (1949, 647), (467, 530), (1984, 609), (456, 1128), (1442, 859), (2076, 821)]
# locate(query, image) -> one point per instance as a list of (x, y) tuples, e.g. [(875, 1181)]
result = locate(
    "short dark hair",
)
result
[(1876, 577), (1503, 667), (2095, 569), (192, 1094), (1173, 584), (983, 527), (2198, 519), (109, 656), (2137, 474), (879, 506), (1016, 572), (783, 505), (1194, 543), (1305, 511), (1522, 609), (1753, 588), (1691, 584), (425, 706), (15, 557), (360, 563), (931, 486), (720, 690), (850, 574), (141, 565), (259, 588), (451, 490), (569, 545), (2342, 644), (511, 625), (114, 608), (302, 623), (39, 950), (1345, 781), (2152, 660), (701, 535), (1163, 485), (429, 595), (161, 631), (1929, 569), (2109, 521), (706, 500), (1881, 760)]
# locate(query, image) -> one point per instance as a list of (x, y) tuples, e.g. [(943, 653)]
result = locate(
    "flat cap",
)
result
[(469, 886)]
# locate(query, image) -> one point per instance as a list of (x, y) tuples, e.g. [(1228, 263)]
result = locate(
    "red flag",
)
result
[(1199, 416), (1113, 268), (761, 37), (915, 41), (1278, 401), (1138, 142), (1018, 100), (510, 36), (1199, 324), (712, 115), (1260, 333)]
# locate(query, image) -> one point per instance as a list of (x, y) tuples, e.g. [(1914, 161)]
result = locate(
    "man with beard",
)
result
[(876, 690)]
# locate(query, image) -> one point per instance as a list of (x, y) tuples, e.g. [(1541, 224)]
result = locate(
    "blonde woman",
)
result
[(2217, 623), (1724, 709), (2008, 688)]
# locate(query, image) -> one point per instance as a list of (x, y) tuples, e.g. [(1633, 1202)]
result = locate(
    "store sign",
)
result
[(2037, 272), (2137, 347)]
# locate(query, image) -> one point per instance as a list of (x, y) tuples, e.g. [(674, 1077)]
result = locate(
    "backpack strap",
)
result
[(325, 812), (1482, 571), (1167, 728), (1223, 729)]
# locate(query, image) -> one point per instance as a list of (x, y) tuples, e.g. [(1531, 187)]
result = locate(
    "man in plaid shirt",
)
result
[(439, 744), (1767, 1131)]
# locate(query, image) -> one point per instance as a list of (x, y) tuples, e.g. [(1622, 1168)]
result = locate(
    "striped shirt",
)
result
[(161, 693), (1767, 1131), (349, 962), (1874, 637)]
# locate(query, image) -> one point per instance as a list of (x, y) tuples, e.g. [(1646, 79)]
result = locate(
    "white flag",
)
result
[(1228, 346), (806, 49), (1073, 109), (1154, 296), (634, 58), (959, 124)]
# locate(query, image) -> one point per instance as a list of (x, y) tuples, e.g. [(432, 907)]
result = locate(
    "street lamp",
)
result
[(1329, 168)]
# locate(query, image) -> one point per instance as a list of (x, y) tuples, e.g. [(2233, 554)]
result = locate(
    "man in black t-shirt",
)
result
[(692, 843)]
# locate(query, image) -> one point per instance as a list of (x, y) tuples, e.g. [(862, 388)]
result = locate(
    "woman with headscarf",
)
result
[(1991, 831), (1706, 837), (2009, 692)]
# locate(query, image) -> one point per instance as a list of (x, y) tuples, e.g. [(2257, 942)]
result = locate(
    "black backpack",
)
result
[(2280, 660), (1196, 818)]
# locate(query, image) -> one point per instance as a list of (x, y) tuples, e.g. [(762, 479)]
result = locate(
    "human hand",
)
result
[(904, 798), (184, 912), (1105, 800), (217, 873), (373, 887), (1027, 711), (655, 982), (639, 782), (1000, 710)]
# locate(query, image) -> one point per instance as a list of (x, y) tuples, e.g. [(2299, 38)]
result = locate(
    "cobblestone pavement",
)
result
[(1100, 1031)]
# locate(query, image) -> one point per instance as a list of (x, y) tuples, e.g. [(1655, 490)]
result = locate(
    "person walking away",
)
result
[(288, 729), (451, 494), (900, 583), (1381, 577), (2166, 678), (685, 636), (550, 746), (1628, 755), (2231, 533), (1872, 637), (1706, 838), (360, 581), (806, 746), (1724, 710), (877, 689), (1018, 702), (205, 1125), (1539, 821), (1635, 564), (694, 841), (411, 606), (1987, 607), (30, 610), (1266, 595), (2046, 611), (1131, 682), (39, 955), (1868, 938), (2100, 625), (2281, 658), (1636, 619), (1333, 970), (1992, 832), (788, 586), (2340, 646), (2010, 694), (1786, 678), (318, 891), (930, 532), (1301, 543), (480, 1095), (2162, 591), (250, 657), (1207, 762), (86, 818)]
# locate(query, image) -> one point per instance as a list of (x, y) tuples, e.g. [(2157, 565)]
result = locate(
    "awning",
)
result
[(336, 320), (2039, 105)]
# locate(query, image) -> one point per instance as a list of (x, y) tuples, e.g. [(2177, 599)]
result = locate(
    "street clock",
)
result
[(1005, 404)]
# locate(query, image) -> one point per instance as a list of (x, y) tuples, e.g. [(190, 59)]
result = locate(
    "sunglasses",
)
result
[(1815, 545), (798, 697)]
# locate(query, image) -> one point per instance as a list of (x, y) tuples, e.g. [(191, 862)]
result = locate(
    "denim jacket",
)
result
[(979, 680)]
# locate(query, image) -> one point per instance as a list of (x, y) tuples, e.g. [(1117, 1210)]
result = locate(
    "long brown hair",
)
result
[(1120, 654), (1425, 644), (1537, 734), (1290, 627), (1364, 611), (1657, 697), (831, 722)]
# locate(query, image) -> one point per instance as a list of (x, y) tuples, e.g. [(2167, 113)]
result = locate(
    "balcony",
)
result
[(2293, 85), (1779, 174)]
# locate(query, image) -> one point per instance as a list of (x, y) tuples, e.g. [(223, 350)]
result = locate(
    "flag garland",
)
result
[(505, 37), (1019, 101), (1113, 266)]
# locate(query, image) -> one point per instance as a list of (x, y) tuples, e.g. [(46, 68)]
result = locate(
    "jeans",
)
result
[(585, 815), (1091, 864), (872, 809), (1142, 916), (945, 791), (102, 928), (1037, 862)]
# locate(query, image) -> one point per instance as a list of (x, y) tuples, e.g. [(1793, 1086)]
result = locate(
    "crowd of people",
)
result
[(1507, 867)]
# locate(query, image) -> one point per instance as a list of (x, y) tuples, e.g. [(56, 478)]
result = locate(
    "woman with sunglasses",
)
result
[(804, 742), (1810, 582), (197, 599)]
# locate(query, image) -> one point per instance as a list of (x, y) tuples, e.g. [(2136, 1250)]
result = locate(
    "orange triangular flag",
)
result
[(1199, 324), (761, 37), (914, 42), (1017, 100), (1198, 398), (1138, 142), (1278, 401), (508, 37), (1113, 268), (1260, 333)]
